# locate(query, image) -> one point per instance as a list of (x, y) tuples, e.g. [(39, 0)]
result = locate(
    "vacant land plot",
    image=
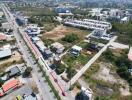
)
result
[(60, 31), (104, 80), (76, 62), (106, 74), (16, 58)]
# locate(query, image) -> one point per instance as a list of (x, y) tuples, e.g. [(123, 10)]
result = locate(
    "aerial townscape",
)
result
[(65, 49)]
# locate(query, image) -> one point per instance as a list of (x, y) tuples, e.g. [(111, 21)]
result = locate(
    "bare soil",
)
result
[(60, 31), (106, 74)]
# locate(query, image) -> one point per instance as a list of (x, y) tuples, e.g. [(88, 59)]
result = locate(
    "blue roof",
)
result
[(63, 10)]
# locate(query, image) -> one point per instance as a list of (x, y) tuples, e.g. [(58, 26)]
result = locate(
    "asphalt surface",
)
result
[(23, 90), (43, 87)]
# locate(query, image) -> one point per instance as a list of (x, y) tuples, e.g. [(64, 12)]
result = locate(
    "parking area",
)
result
[(21, 91)]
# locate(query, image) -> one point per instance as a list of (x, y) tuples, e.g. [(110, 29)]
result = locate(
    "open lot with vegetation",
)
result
[(75, 63), (105, 76), (124, 32), (60, 33), (16, 58)]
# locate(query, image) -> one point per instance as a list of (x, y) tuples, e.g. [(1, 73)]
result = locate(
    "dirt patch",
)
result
[(14, 59), (60, 31), (104, 90), (105, 74)]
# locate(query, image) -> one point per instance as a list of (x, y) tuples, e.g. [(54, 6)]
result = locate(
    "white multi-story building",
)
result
[(89, 24)]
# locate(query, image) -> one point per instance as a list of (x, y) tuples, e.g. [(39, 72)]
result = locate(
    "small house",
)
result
[(59, 48), (14, 72), (47, 53), (75, 50), (125, 20)]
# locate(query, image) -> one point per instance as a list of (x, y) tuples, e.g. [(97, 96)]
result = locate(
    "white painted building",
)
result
[(89, 24), (125, 20), (40, 46), (75, 50), (5, 51)]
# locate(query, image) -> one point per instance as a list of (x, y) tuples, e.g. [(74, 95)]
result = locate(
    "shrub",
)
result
[(70, 38)]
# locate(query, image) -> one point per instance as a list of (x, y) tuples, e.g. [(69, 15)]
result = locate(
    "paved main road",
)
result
[(83, 70), (43, 87)]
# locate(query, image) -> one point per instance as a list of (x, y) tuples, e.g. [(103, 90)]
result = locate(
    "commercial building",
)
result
[(21, 20), (9, 86), (5, 51), (89, 24), (33, 30)]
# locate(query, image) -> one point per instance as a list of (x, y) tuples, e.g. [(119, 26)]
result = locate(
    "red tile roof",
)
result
[(2, 37), (10, 84)]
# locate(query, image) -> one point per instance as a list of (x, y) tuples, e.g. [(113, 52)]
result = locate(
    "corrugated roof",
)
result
[(5, 53), (10, 84)]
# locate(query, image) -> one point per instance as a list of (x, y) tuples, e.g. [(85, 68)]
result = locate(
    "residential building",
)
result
[(59, 48), (14, 72), (47, 53), (89, 24), (35, 39), (5, 51), (3, 37), (75, 50), (40, 45), (130, 54), (125, 20), (100, 34)]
